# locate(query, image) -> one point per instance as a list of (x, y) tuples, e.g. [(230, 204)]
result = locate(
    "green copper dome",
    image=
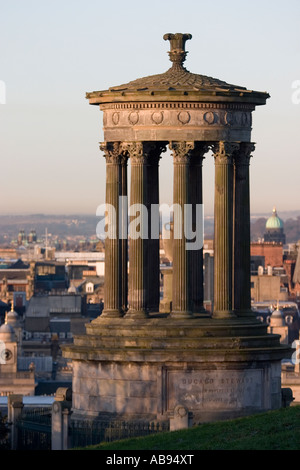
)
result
[(274, 221)]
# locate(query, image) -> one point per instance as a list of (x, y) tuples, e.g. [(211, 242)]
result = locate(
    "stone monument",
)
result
[(133, 362)]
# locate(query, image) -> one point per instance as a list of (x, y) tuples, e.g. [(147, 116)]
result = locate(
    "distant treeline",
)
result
[(85, 226)]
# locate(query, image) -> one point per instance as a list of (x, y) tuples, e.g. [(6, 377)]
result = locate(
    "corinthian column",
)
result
[(113, 260), (143, 294), (154, 155), (124, 234), (181, 299), (223, 231), (242, 257), (196, 200)]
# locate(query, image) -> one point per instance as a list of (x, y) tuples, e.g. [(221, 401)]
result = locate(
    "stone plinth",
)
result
[(145, 368)]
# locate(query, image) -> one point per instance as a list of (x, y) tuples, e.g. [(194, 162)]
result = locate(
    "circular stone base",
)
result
[(214, 368)]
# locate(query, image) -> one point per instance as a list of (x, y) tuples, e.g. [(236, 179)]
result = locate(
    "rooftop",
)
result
[(177, 81), (274, 222)]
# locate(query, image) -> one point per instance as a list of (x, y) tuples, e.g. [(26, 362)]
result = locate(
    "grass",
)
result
[(273, 430)]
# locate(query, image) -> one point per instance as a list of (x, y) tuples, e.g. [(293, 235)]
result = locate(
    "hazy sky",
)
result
[(52, 52)]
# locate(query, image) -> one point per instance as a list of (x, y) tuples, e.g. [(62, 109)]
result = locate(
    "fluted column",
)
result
[(154, 152), (113, 262), (143, 288), (196, 200), (124, 234), (181, 299), (242, 257), (223, 229)]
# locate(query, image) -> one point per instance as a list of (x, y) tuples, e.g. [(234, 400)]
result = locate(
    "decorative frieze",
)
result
[(177, 114), (161, 121), (243, 107)]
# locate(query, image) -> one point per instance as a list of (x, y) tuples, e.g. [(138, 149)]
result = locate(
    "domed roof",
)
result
[(277, 318), (177, 82), (274, 221), (6, 332), (12, 317)]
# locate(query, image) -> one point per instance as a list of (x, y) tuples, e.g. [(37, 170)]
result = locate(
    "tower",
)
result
[(274, 229)]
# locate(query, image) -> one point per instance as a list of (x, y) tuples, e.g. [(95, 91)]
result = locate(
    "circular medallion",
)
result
[(157, 117), (184, 117), (229, 118), (209, 117), (133, 118), (115, 118)]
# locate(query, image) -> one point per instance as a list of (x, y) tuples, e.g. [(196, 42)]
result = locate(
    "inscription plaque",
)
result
[(223, 389)]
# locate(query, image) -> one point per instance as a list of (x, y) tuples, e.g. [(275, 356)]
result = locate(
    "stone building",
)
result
[(133, 362), (268, 287), (12, 380), (296, 275), (59, 314), (270, 252), (274, 229), (17, 284)]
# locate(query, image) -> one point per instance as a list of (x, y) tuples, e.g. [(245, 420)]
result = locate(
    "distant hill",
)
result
[(59, 225), (85, 225)]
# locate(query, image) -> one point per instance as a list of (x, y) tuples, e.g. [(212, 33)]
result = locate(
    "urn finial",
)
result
[(177, 53)]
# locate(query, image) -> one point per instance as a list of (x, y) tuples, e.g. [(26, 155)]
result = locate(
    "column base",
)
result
[(245, 313), (224, 314), (136, 314), (179, 315), (200, 311), (111, 313)]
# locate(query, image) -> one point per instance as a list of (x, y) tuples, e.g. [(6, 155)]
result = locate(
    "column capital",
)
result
[(113, 152), (224, 152), (144, 152), (243, 154), (181, 151)]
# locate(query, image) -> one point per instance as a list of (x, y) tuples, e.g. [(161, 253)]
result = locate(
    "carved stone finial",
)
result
[(177, 53)]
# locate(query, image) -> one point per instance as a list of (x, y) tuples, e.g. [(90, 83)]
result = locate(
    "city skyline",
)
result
[(55, 53)]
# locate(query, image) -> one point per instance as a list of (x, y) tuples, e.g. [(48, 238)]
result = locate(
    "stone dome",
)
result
[(6, 332), (12, 317), (274, 222), (277, 318)]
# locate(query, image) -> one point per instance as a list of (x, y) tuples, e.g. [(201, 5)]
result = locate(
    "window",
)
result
[(89, 287)]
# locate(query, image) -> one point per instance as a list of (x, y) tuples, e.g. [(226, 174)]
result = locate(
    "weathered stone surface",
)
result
[(184, 366), (174, 362)]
